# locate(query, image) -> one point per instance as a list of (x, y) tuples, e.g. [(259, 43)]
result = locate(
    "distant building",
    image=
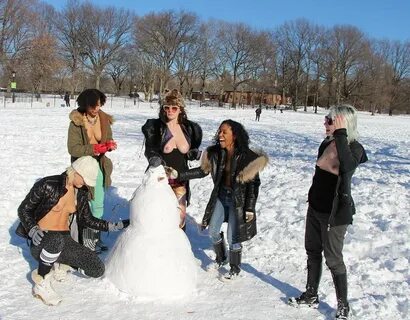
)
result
[(254, 98)]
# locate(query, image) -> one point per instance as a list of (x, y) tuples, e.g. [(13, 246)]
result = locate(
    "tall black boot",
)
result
[(220, 251), (310, 298), (340, 282), (235, 257)]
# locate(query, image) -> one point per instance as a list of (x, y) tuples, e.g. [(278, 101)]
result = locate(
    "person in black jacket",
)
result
[(45, 213), (172, 140), (331, 207), (235, 172)]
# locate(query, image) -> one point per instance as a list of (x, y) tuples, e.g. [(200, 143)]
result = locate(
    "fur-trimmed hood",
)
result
[(254, 167), (258, 160), (77, 117)]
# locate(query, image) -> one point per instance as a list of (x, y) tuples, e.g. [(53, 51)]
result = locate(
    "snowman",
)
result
[(152, 258)]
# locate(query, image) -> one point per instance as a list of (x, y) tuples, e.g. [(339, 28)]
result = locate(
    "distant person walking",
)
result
[(258, 112), (67, 99)]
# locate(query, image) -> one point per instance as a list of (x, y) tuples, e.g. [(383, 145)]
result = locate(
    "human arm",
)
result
[(27, 208), (75, 142)]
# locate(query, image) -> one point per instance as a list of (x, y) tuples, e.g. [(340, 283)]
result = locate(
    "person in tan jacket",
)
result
[(90, 133)]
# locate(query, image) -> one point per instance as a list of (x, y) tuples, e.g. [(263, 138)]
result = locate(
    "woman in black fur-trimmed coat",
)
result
[(235, 172)]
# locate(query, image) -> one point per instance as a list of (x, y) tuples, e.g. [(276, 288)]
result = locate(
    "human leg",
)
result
[(334, 260), (215, 233)]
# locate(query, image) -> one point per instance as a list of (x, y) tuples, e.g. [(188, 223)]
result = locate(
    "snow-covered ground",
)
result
[(377, 249)]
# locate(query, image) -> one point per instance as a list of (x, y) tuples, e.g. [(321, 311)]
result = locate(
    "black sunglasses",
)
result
[(328, 120)]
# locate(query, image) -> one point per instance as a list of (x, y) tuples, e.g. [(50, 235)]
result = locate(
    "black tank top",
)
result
[(322, 191), (176, 160)]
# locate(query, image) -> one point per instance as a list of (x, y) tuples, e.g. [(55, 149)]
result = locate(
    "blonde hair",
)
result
[(70, 174), (350, 114)]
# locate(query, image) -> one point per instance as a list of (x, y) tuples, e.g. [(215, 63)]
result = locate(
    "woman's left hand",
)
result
[(340, 122)]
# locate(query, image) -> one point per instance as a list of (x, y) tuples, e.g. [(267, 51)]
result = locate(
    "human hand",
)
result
[(99, 148), (339, 122), (111, 145), (203, 227), (117, 226), (154, 161), (36, 235), (171, 173), (194, 154), (249, 216)]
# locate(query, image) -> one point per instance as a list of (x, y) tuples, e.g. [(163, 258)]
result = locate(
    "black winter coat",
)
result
[(45, 194), (245, 183), (350, 156), (154, 132)]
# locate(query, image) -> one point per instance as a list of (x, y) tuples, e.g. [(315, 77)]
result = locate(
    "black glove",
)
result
[(194, 154), (154, 161), (36, 235), (117, 226)]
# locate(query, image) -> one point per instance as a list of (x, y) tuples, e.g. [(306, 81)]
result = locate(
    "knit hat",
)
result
[(87, 167)]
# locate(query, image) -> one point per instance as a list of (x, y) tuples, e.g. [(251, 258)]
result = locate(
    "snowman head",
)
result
[(155, 176)]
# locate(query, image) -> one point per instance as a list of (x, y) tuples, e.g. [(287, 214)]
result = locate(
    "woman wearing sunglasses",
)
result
[(172, 140), (331, 207)]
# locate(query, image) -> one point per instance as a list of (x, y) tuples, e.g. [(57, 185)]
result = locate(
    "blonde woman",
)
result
[(331, 207)]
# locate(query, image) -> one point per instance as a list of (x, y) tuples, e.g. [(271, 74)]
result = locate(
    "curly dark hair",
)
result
[(89, 98), (241, 136)]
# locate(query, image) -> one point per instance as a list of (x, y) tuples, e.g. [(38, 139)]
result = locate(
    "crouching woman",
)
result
[(235, 172), (45, 213)]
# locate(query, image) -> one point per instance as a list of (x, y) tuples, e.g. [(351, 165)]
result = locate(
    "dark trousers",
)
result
[(318, 239), (72, 253)]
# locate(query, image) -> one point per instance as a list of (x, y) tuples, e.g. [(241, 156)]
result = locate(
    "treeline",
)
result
[(84, 45)]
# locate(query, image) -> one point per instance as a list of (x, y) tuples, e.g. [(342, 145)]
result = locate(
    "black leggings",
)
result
[(72, 253)]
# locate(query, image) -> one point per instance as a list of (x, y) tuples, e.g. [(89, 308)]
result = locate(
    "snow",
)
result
[(376, 252)]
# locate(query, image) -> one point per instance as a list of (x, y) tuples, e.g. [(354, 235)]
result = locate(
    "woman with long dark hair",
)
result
[(331, 207), (172, 140), (235, 172)]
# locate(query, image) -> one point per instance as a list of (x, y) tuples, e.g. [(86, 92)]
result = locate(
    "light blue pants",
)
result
[(97, 204), (223, 206)]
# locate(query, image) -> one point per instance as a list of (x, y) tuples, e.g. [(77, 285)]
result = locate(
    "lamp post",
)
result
[(135, 94), (13, 86)]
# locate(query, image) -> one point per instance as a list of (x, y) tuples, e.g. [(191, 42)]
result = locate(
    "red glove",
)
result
[(111, 145), (99, 148)]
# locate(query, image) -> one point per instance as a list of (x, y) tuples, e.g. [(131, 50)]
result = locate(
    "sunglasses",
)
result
[(328, 120), (169, 108)]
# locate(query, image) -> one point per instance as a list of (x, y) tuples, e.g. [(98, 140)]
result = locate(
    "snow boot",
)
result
[(43, 290), (235, 257), (220, 252), (60, 271), (340, 282), (309, 298)]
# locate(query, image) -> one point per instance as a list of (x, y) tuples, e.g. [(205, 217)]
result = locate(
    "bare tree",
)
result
[(161, 36), (104, 32)]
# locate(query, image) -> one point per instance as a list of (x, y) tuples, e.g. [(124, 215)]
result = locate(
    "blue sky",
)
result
[(381, 19)]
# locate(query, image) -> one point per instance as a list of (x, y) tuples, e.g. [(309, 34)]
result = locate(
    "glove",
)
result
[(249, 216), (36, 235), (194, 154), (154, 161), (117, 226), (171, 173), (99, 148), (203, 227), (111, 145)]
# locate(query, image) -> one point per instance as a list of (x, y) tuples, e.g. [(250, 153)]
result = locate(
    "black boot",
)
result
[(340, 282), (220, 251), (235, 257), (309, 298)]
